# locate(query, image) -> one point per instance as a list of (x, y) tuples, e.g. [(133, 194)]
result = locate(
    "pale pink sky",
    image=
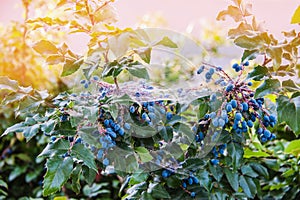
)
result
[(179, 13)]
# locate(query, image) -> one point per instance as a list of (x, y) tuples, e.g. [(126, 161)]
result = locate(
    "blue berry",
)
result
[(193, 194), (190, 181), (211, 71), (127, 126), (233, 103), (245, 106), (70, 138), (246, 63), (266, 118), (213, 97), (96, 78), (250, 83), (229, 87), (121, 131), (235, 65), (215, 122), (86, 85), (100, 154), (212, 115), (184, 184), (214, 161), (267, 133), (250, 123), (272, 118), (105, 162), (132, 109), (228, 107), (137, 94), (144, 116), (224, 114), (196, 180), (201, 135), (260, 131), (169, 115), (219, 68), (208, 75), (53, 138), (221, 122), (151, 115), (106, 123), (78, 140), (238, 116), (117, 127), (200, 70), (165, 173), (83, 81)]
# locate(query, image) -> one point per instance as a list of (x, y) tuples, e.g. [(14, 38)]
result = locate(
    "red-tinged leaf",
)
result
[(232, 11), (242, 29), (71, 66), (55, 59), (296, 16), (45, 47)]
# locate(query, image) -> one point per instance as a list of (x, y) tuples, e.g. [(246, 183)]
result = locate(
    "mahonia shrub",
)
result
[(165, 121)]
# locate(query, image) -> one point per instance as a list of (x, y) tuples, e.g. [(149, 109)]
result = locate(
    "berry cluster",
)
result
[(110, 131), (217, 151), (147, 112)]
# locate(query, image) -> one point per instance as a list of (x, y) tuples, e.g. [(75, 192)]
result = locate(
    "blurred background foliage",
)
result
[(21, 173)]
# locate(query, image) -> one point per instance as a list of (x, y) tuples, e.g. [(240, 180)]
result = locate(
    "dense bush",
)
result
[(149, 121)]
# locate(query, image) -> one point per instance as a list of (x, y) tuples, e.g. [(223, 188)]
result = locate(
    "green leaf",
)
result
[(138, 71), (260, 169), (145, 55), (248, 153), (203, 108), (247, 170), (205, 180), (288, 111), (59, 147), (216, 171), (144, 154), (293, 148), (249, 54), (75, 178), (267, 87), (245, 187), (258, 73), (89, 174), (17, 171), (33, 174), (233, 178), (167, 42), (235, 151), (80, 152), (15, 128), (8, 84), (30, 131), (253, 42), (58, 172), (45, 47), (3, 184), (48, 126), (138, 177), (296, 16), (158, 191), (290, 85), (71, 66)]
